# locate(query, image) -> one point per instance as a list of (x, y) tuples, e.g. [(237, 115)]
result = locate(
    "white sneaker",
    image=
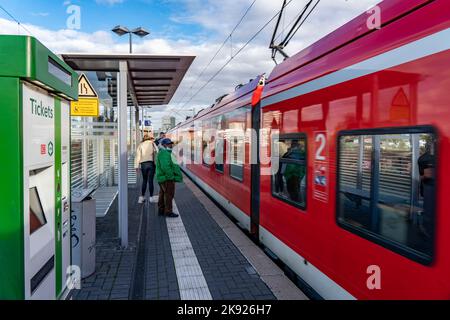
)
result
[(154, 199), (141, 199)]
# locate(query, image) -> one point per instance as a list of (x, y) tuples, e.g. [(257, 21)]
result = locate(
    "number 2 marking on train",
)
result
[(322, 139)]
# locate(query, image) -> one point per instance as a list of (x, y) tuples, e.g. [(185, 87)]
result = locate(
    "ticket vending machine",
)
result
[(36, 88)]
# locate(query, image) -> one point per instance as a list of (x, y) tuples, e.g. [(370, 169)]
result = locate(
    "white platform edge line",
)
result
[(191, 286), (265, 278)]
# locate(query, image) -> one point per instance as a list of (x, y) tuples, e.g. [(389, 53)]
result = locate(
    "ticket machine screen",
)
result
[(37, 215)]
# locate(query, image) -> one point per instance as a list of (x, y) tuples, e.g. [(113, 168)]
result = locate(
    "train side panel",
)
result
[(409, 94), (228, 184)]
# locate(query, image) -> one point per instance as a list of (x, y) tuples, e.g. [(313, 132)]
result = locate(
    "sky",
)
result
[(179, 27)]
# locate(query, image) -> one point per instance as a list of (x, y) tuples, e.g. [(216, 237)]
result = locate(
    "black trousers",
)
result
[(148, 175)]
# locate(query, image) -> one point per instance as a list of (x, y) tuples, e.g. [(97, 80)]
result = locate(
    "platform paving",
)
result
[(228, 273), (155, 266), (112, 279), (160, 277), (275, 278)]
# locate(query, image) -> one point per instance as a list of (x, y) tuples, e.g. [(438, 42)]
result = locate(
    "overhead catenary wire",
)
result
[(298, 21), (287, 40), (288, 26), (229, 37), (277, 24), (232, 57), (170, 109), (16, 20), (281, 34), (291, 32)]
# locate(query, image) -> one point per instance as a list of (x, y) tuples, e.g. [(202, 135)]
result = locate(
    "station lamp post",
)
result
[(121, 30), (122, 105)]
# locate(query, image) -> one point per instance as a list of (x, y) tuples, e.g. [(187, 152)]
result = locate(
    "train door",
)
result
[(255, 160), (255, 171)]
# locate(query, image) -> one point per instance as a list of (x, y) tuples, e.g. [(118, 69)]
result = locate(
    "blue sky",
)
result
[(156, 16), (180, 27)]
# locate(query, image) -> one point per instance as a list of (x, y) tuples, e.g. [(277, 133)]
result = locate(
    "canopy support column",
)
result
[(138, 135), (123, 153)]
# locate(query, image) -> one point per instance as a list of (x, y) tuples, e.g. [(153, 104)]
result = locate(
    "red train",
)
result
[(349, 189)]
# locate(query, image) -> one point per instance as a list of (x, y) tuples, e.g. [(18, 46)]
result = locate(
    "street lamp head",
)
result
[(120, 30), (141, 32)]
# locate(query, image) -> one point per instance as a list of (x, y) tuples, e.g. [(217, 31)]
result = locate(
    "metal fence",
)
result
[(93, 154)]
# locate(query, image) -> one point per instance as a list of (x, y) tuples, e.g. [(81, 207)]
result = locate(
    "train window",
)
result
[(355, 178), (219, 123), (180, 144), (237, 161), (218, 153), (206, 142), (198, 157), (386, 189), (235, 135), (289, 180), (192, 145), (37, 216)]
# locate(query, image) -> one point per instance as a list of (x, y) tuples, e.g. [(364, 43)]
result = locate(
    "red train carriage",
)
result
[(212, 128), (358, 126)]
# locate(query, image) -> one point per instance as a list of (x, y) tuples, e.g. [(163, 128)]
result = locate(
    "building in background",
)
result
[(168, 123)]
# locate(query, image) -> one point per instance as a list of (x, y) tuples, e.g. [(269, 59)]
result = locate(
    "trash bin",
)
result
[(83, 231)]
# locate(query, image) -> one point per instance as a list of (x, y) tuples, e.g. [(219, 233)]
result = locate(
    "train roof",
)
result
[(240, 92), (356, 28)]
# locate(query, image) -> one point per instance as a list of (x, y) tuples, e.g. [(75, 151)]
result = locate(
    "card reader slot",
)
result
[(38, 171)]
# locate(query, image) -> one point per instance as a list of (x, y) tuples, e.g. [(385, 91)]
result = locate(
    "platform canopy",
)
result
[(138, 81), (152, 80)]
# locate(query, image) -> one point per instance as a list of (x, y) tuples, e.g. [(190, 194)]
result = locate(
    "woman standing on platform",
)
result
[(145, 160)]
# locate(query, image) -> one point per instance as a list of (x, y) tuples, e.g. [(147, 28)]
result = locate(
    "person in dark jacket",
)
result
[(162, 136), (167, 174)]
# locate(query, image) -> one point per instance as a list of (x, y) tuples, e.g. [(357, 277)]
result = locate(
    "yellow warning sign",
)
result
[(88, 103), (85, 89), (85, 107)]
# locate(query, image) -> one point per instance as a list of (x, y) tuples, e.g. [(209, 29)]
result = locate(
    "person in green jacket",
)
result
[(167, 173)]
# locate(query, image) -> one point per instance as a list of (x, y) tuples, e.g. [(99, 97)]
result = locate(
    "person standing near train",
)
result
[(162, 135), (167, 173), (145, 161)]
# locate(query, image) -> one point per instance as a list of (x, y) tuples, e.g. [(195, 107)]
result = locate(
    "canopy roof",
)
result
[(153, 80)]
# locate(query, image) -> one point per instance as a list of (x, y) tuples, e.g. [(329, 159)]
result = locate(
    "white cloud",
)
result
[(217, 18)]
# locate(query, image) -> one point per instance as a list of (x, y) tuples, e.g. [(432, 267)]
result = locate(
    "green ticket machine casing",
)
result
[(36, 88)]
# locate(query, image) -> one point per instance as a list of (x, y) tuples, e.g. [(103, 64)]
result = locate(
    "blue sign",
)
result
[(147, 123)]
